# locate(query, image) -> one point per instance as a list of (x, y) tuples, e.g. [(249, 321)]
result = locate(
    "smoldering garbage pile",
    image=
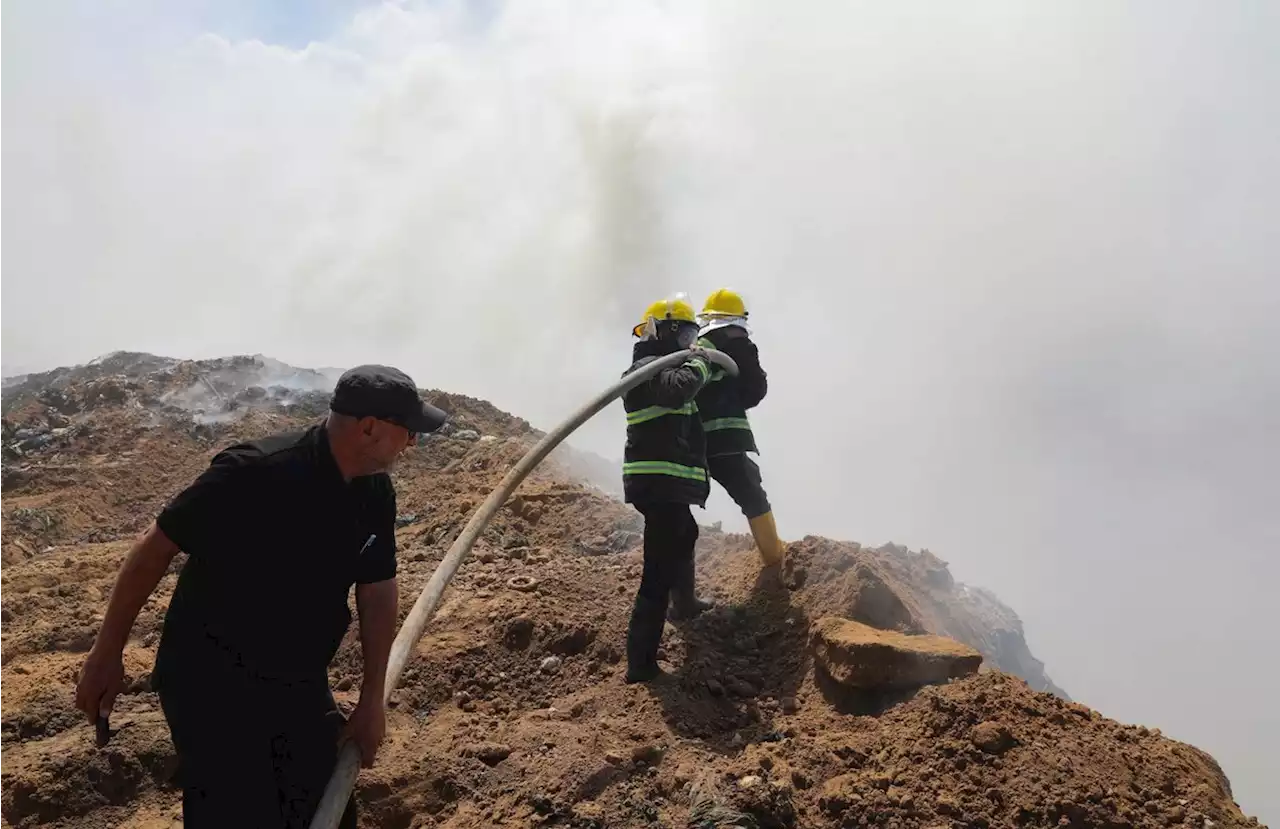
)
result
[(797, 701)]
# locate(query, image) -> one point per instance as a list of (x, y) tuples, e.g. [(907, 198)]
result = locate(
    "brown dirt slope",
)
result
[(513, 712)]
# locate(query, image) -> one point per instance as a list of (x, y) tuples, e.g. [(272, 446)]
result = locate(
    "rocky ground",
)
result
[(513, 712)]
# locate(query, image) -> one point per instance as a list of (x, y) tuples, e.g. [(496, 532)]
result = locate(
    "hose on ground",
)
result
[(341, 783)]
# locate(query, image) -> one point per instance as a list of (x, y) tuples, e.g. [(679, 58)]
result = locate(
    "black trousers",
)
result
[(251, 755), (669, 537), (670, 534), (740, 477)]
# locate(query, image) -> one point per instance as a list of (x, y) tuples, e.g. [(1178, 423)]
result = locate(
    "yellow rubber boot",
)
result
[(765, 532)]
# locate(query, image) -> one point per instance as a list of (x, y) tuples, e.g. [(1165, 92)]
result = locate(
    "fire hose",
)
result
[(343, 780)]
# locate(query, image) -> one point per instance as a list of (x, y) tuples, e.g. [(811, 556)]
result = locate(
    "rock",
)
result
[(519, 633), (788, 705), (992, 737), (749, 781), (574, 641), (344, 684), (141, 684), (615, 758), (491, 754), (948, 805), (742, 688), (469, 435), (406, 519), (647, 753), (606, 652), (716, 689), (859, 656), (838, 794), (551, 664)]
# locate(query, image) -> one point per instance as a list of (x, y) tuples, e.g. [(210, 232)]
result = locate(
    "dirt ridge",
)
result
[(513, 712)]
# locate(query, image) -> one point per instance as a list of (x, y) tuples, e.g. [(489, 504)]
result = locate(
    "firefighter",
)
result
[(664, 474), (722, 408)]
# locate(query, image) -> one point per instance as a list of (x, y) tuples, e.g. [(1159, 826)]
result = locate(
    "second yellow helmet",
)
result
[(724, 303)]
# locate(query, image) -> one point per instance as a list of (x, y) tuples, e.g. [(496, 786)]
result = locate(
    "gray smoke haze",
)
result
[(1012, 266)]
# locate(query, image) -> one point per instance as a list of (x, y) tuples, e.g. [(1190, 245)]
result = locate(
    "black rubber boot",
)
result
[(644, 634)]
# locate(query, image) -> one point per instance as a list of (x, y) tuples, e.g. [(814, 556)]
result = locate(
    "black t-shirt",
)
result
[(275, 538)]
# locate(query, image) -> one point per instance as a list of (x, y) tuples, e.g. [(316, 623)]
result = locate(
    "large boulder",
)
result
[(865, 658)]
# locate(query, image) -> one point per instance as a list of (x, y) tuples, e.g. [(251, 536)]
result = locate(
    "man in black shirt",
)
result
[(276, 531)]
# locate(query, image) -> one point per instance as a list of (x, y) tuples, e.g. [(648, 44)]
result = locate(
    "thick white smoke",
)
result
[(1011, 265)]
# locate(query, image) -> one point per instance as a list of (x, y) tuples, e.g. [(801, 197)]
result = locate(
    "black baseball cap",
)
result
[(387, 394)]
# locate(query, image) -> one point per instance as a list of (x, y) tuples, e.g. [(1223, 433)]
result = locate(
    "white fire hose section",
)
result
[(338, 791)]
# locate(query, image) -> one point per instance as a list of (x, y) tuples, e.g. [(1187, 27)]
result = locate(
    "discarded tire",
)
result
[(525, 584)]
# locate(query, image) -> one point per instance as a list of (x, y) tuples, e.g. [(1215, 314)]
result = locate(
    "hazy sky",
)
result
[(1013, 266)]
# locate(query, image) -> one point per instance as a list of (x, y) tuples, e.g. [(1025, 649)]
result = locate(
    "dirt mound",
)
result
[(513, 712), (990, 752), (893, 588)]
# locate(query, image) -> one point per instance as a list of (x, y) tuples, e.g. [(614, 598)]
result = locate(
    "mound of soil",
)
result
[(513, 712)]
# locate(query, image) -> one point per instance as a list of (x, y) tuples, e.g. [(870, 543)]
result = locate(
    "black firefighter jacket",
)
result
[(724, 400), (665, 456)]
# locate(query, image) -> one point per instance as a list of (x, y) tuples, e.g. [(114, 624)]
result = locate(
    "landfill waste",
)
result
[(513, 712)]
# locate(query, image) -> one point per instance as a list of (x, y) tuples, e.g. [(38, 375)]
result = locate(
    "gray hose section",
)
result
[(343, 780)]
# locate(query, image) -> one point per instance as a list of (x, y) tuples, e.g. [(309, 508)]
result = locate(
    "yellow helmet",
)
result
[(675, 307), (724, 303)]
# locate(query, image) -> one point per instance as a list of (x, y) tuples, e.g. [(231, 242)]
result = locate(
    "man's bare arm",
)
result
[(377, 604), (142, 570)]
